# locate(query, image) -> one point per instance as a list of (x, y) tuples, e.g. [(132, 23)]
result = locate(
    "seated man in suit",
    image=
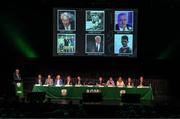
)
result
[(58, 81), (39, 79), (129, 82), (66, 22), (69, 81), (49, 81), (124, 42), (100, 82), (78, 81), (122, 23), (141, 81)]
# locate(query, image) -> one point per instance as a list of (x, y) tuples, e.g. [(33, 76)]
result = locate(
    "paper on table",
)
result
[(45, 85), (37, 84)]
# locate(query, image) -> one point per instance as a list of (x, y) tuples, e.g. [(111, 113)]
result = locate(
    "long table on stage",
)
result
[(108, 93)]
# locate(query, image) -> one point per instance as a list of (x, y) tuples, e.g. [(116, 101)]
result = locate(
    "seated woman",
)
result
[(120, 82), (49, 81), (110, 82), (100, 82), (58, 81), (129, 82), (39, 79)]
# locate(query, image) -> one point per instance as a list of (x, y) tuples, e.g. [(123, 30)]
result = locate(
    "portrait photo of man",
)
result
[(94, 20), (66, 43), (123, 43), (94, 43), (66, 20), (124, 21)]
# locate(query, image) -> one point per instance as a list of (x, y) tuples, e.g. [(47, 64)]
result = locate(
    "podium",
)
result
[(19, 89)]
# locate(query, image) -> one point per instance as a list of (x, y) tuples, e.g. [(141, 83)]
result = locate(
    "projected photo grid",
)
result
[(95, 32)]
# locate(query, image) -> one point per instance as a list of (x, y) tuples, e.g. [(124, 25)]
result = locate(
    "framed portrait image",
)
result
[(66, 20)]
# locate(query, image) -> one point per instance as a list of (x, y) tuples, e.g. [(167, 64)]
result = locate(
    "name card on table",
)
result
[(67, 85), (78, 85), (37, 84), (129, 86), (100, 86), (58, 85), (146, 86), (120, 86), (110, 86), (143, 86), (89, 85), (45, 85)]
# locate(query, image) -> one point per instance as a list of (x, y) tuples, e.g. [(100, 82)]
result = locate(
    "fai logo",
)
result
[(122, 92), (63, 92), (18, 84)]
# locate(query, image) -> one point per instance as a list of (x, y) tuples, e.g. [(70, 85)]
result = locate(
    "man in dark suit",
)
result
[(122, 23), (100, 82), (96, 46), (17, 84), (142, 82), (17, 76), (69, 80), (66, 22), (66, 42), (78, 81), (39, 79)]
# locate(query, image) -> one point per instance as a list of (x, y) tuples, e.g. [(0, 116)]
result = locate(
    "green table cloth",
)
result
[(108, 93)]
